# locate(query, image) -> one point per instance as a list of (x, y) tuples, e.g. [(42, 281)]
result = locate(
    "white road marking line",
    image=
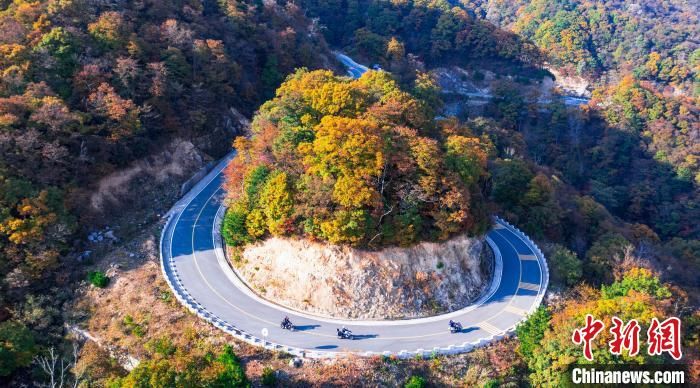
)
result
[(539, 265), (529, 286), (516, 310), (491, 329)]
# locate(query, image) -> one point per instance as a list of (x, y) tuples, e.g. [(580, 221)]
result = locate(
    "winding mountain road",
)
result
[(193, 263), (354, 69)]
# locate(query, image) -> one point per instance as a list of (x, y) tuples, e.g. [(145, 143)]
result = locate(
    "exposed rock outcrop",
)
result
[(338, 281)]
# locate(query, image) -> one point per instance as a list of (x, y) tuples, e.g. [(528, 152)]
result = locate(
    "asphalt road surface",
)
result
[(194, 266), (354, 69)]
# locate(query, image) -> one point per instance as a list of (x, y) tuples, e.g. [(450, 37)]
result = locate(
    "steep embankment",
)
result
[(338, 281)]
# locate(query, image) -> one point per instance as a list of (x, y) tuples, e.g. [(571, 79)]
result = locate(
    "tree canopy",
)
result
[(358, 162)]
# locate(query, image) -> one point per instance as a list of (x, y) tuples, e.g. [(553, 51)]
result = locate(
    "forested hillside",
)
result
[(87, 87), (433, 32), (654, 40)]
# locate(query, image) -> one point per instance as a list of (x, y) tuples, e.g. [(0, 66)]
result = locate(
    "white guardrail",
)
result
[(172, 278)]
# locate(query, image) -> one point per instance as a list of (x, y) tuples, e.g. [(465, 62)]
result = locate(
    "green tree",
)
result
[(270, 76), (566, 267), (639, 280), (254, 182), (346, 227), (17, 347), (369, 44), (467, 156), (426, 90), (509, 104), (60, 45), (606, 252), (531, 332), (234, 228), (276, 200), (510, 178)]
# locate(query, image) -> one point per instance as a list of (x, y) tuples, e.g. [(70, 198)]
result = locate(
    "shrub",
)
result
[(133, 327), (186, 370), (233, 374), (493, 383), (415, 382), (165, 296), (532, 331), (636, 279), (269, 378), (161, 345), (98, 279)]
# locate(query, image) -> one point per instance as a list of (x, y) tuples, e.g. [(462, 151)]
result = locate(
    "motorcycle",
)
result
[(286, 324), (344, 334), (455, 327)]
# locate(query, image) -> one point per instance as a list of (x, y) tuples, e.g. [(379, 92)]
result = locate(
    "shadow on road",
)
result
[(326, 347), (468, 329), (364, 336), (305, 327)]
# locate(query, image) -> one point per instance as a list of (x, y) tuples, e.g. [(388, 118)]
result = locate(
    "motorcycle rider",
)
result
[(344, 332), (286, 323)]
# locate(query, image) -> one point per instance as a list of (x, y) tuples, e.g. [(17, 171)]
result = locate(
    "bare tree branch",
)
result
[(58, 370)]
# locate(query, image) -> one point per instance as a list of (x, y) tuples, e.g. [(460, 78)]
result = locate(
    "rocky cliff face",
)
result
[(422, 280)]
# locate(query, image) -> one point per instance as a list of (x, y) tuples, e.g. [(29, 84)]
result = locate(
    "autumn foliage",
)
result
[(87, 88), (358, 162)]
